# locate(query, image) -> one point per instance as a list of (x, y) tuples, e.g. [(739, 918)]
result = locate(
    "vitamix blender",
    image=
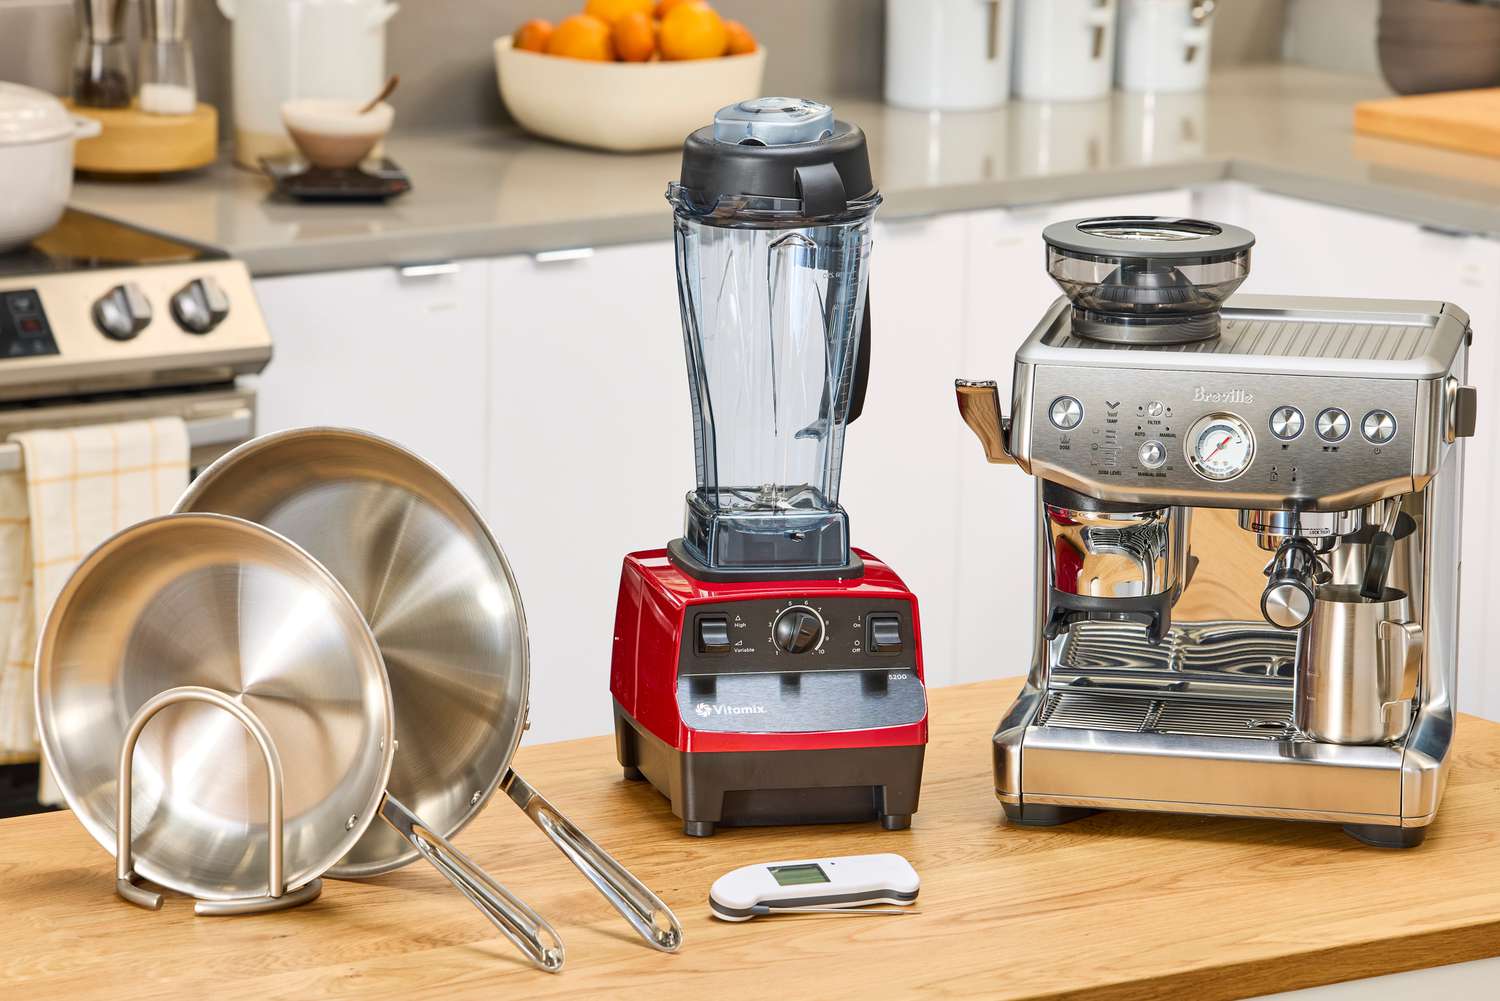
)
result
[(764, 672)]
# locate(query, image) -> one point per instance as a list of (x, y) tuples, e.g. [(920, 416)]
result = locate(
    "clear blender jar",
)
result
[(772, 217)]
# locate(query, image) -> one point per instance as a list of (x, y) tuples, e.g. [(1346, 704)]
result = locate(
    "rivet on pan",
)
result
[(349, 824), (474, 799)]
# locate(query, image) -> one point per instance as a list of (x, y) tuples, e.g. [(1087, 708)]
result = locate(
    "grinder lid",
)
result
[(781, 153)]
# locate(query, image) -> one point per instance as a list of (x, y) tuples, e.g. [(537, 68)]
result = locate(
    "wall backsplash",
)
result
[(442, 48)]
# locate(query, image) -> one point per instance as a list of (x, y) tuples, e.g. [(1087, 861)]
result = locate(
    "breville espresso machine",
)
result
[(1248, 550), (764, 672)]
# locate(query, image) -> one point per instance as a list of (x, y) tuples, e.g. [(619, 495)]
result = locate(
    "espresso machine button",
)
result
[(885, 634), (1378, 427), (1286, 423), (1333, 425), (713, 634), (798, 629), (1065, 413), (1153, 454)]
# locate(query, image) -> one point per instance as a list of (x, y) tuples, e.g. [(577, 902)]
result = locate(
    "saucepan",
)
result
[(441, 600), (216, 712)]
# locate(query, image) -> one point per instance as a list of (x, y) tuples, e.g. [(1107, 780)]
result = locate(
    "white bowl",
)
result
[(331, 132), (625, 107)]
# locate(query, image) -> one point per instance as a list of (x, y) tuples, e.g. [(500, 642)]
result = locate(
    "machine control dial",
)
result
[(797, 629), (1378, 427), (122, 312), (1065, 413), (1286, 423), (1153, 454), (1333, 425), (200, 306), (1220, 446)]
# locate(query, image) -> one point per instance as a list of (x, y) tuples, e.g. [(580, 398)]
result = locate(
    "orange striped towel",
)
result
[(82, 485)]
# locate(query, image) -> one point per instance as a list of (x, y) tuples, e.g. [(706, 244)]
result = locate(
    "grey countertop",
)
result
[(1285, 128)]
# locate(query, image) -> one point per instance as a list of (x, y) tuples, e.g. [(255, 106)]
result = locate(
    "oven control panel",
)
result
[(1145, 433), (24, 330)]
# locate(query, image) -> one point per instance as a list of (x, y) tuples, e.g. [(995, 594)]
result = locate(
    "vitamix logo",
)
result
[(707, 709), (1204, 395)]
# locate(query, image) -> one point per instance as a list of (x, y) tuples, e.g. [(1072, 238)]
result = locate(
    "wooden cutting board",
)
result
[(1465, 120)]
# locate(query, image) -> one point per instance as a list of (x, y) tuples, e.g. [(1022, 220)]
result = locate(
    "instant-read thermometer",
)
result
[(814, 886)]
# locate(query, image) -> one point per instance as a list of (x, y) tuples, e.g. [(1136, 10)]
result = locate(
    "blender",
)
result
[(765, 672)]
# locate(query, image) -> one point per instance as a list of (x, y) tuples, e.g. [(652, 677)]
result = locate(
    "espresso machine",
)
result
[(764, 672), (1248, 540)]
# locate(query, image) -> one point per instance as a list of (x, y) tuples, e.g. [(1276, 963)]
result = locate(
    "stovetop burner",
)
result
[(83, 241)]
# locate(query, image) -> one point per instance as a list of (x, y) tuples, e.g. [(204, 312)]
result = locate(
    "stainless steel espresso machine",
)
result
[(1248, 555)]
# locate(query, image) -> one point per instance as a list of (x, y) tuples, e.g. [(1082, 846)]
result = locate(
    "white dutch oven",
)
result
[(36, 161)]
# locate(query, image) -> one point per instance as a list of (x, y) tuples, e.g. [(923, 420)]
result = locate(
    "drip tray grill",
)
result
[(1226, 647), (1253, 719)]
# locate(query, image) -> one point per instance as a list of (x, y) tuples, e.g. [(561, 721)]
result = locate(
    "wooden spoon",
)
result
[(385, 92)]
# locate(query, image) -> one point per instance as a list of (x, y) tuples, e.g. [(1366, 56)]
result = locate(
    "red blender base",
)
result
[(770, 702)]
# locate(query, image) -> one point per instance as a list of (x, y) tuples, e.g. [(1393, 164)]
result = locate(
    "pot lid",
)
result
[(28, 115)]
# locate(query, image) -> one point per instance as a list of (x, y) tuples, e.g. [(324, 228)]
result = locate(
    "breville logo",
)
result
[(707, 709), (1202, 394)]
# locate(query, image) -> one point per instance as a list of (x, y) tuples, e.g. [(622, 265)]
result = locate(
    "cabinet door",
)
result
[(1304, 248), (1008, 290), (591, 454), (402, 357), (900, 483)]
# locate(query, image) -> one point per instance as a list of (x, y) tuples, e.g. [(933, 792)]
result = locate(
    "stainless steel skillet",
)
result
[(209, 682), (440, 598)]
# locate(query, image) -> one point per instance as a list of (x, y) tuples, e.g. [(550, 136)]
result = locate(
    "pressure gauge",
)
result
[(1220, 447)]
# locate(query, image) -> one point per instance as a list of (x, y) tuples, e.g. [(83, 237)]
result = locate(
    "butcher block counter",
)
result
[(1117, 906)]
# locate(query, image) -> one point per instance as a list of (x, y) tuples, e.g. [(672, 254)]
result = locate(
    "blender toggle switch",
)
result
[(885, 634), (713, 634)]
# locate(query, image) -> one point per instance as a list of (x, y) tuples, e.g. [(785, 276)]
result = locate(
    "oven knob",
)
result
[(122, 312), (1286, 423), (798, 629), (1378, 427), (200, 306), (1333, 424), (1065, 413)]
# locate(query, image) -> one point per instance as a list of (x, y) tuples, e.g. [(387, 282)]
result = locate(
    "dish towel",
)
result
[(79, 486)]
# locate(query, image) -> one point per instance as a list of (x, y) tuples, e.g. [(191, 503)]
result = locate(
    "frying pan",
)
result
[(440, 598), (213, 647)]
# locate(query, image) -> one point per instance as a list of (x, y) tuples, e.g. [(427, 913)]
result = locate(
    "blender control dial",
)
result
[(797, 629)]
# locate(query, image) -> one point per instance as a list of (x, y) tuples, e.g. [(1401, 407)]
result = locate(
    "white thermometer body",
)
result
[(849, 881)]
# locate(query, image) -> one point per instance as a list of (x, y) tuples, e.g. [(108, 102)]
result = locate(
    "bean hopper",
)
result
[(764, 671)]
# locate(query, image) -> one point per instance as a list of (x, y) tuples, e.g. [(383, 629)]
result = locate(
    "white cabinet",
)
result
[(402, 357), (591, 454), (1006, 291)]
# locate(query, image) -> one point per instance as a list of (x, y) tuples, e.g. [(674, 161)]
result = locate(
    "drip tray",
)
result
[(1198, 716)]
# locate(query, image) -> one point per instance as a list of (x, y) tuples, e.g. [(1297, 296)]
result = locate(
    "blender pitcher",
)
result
[(772, 220)]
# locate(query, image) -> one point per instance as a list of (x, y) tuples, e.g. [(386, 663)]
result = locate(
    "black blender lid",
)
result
[(779, 147), (1155, 237)]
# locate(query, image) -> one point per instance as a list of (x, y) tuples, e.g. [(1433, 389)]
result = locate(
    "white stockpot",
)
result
[(1164, 45), (1065, 49), (948, 55), (36, 161), (283, 49)]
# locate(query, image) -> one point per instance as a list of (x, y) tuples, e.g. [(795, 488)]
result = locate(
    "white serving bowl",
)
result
[(331, 132), (619, 106)]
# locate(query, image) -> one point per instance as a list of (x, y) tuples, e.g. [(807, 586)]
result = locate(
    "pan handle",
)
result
[(507, 912), (651, 918)]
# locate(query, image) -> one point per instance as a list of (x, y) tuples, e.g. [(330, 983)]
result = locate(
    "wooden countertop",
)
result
[(1118, 906)]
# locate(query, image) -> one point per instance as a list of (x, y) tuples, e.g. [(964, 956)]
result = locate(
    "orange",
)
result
[(581, 36), (532, 36), (635, 37), (693, 30), (610, 11), (662, 6), (740, 39)]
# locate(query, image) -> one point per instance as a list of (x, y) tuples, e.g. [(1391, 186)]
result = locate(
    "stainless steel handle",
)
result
[(429, 269), (645, 911), (225, 429), (1401, 646), (979, 406), (507, 912)]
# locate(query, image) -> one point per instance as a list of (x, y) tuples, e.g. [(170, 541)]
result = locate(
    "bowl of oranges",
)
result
[(627, 75)]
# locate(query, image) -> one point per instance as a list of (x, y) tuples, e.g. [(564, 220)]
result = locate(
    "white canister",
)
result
[(283, 49), (1065, 49), (948, 55), (1164, 45)]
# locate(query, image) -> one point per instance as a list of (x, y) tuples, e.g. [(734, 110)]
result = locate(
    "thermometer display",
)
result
[(1220, 447)]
